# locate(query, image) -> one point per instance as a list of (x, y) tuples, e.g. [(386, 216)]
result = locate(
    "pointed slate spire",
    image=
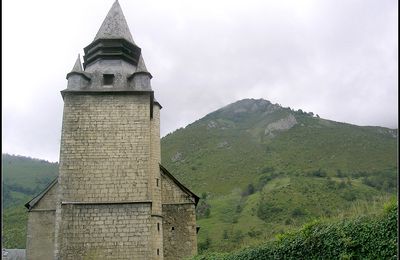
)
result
[(141, 67), (140, 79), (113, 41), (78, 66), (114, 25), (77, 70)]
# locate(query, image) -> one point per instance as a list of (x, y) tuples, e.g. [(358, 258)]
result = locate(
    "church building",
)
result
[(112, 198)]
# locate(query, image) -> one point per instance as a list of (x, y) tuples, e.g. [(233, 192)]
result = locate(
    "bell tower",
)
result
[(108, 203)]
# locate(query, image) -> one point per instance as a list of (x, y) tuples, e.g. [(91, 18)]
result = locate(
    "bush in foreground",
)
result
[(372, 237)]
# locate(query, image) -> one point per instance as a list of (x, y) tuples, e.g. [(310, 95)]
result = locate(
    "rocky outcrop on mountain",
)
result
[(280, 125)]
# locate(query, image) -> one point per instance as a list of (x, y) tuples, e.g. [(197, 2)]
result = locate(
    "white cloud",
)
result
[(335, 58)]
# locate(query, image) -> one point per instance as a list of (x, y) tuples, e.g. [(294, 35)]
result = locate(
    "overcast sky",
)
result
[(336, 58)]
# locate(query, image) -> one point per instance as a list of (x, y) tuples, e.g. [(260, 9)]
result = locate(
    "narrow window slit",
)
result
[(108, 79)]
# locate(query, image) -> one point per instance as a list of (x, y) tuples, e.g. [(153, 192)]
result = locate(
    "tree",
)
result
[(207, 213), (225, 234), (203, 246), (249, 190)]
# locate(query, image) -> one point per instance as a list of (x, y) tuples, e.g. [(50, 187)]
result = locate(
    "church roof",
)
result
[(155, 101), (29, 205), (114, 25), (180, 185)]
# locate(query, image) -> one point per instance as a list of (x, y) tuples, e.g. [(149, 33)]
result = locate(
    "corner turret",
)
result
[(77, 78), (140, 79)]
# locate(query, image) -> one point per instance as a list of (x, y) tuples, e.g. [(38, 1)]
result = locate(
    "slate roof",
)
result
[(180, 185), (78, 66), (114, 25), (141, 67), (29, 205)]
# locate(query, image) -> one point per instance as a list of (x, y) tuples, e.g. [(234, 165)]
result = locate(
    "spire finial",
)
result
[(114, 25), (78, 66), (141, 67)]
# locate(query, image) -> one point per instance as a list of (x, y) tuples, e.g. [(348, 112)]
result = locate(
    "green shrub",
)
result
[(267, 210), (204, 246), (357, 238), (318, 173), (340, 174), (225, 234), (254, 233), (298, 212), (341, 185), (238, 236), (349, 195), (249, 190), (203, 209), (288, 221)]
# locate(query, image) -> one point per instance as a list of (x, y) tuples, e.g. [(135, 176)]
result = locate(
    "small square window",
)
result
[(108, 79)]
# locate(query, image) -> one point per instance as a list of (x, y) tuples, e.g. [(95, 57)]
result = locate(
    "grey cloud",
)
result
[(335, 58)]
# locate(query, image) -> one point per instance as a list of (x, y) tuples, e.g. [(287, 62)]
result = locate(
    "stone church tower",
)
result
[(112, 198)]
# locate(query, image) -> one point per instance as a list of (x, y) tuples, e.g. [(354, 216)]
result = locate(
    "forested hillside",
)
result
[(262, 169), (259, 168), (23, 178)]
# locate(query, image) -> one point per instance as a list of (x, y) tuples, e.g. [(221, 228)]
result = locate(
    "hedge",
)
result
[(358, 238)]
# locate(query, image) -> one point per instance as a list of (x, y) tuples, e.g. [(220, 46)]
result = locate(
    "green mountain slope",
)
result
[(263, 169), (22, 179), (260, 170)]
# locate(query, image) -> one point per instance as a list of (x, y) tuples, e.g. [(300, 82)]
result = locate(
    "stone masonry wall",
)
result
[(105, 148), (155, 184), (40, 228), (179, 231), (48, 201), (106, 231), (157, 237), (171, 193), (40, 235), (155, 177)]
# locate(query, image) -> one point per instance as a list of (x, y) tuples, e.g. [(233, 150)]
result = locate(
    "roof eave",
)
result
[(180, 185), (30, 204)]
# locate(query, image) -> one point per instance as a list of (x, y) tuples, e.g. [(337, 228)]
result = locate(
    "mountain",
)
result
[(262, 169), (259, 168), (238, 142), (22, 179)]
